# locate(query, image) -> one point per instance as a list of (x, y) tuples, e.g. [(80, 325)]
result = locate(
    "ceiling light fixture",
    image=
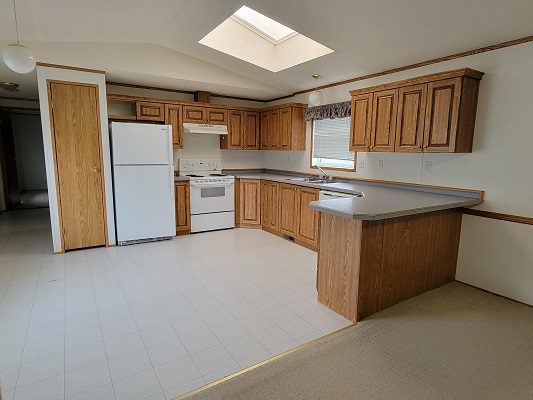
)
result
[(315, 97), (18, 57)]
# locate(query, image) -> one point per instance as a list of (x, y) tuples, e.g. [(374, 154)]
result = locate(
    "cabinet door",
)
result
[(147, 111), (250, 202), (384, 109), (410, 119), (194, 114), (250, 135), (216, 116), (273, 129), (442, 114), (173, 117), (288, 210), (264, 130), (360, 122), (233, 140), (285, 128), (269, 197), (307, 218), (183, 209)]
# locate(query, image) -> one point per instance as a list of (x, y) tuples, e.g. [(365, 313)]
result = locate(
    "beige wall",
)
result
[(500, 164)]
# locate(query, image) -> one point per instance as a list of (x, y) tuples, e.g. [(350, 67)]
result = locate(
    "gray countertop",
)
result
[(376, 202)]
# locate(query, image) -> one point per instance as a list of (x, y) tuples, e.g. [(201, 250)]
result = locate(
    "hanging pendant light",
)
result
[(315, 97), (18, 57)]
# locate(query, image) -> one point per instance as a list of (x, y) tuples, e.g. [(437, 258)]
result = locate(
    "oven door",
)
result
[(211, 197)]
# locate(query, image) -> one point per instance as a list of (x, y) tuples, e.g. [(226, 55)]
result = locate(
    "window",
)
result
[(331, 143), (264, 26)]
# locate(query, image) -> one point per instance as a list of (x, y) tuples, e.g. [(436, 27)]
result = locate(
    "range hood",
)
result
[(206, 128)]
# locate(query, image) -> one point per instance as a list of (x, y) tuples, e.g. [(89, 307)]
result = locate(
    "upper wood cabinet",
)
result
[(194, 114), (183, 208), (432, 113), (216, 116), (243, 131), (410, 118), (269, 205), (283, 128), (383, 127), (173, 117), (360, 122), (249, 202), (288, 209), (149, 111), (308, 219)]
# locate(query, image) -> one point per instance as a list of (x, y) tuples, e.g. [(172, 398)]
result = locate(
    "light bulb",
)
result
[(19, 58), (315, 98)]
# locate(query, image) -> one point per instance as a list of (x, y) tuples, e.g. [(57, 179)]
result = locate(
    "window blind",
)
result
[(331, 142)]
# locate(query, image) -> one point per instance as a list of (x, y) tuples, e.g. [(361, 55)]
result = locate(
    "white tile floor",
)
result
[(150, 321)]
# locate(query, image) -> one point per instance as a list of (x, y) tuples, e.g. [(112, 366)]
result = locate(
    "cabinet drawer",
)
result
[(148, 111), (194, 114)]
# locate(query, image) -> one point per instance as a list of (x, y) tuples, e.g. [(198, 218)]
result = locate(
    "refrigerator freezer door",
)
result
[(140, 144), (144, 202)]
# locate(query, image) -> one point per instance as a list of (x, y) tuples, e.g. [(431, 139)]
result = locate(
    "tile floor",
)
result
[(151, 321)]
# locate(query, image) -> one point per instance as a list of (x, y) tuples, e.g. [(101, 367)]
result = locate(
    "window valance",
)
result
[(329, 111)]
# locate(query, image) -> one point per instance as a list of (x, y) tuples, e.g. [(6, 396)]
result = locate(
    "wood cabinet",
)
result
[(288, 209), (360, 122), (183, 208), (217, 116), (383, 127), (249, 203), (194, 114), (173, 117), (269, 205), (410, 118), (150, 111), (243, 131), (283, 128), (308, 219), (432, 113)]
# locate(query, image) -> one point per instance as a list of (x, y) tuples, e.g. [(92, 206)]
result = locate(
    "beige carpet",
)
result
[(455, 342)]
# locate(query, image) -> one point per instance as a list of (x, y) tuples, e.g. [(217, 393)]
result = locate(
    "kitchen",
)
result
[(222, 230)]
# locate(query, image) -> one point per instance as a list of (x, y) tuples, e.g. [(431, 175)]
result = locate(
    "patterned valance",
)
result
[(329, 111)]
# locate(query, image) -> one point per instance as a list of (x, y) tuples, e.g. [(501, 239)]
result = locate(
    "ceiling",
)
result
[(156, 43)]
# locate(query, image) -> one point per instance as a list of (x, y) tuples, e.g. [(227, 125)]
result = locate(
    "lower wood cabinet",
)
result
[(288, 209), (308, 219), (183, 208), (249, 204), (269, 205)]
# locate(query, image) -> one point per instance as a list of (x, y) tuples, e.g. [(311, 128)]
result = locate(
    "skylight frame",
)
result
[(261, 32)]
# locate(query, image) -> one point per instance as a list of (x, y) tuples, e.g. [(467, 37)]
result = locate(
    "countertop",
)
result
[(377, 202)]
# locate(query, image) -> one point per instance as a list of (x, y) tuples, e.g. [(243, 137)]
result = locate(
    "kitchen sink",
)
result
[(313, 180)]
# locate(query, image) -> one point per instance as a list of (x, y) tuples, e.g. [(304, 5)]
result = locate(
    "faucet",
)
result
[(325, 175)]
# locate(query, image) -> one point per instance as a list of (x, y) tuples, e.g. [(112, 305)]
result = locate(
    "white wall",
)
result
[(43, 74), (501, 164)]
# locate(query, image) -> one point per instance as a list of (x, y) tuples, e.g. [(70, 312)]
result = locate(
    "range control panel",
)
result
[(197, 164)]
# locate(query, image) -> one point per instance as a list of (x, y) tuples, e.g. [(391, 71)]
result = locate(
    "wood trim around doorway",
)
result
[(56, 175)]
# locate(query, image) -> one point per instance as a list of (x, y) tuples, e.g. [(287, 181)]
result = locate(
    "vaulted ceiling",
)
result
[(155, 43)]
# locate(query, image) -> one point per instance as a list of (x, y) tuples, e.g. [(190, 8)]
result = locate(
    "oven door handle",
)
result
[(201, 185)]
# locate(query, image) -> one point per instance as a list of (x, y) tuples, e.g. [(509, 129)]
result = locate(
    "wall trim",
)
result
[(96, 71), (499, 216), (449, 57), (494, 293)]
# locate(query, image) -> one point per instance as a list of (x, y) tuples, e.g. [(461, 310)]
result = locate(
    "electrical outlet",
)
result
[(380, 164), (362, 164), (427, 165)]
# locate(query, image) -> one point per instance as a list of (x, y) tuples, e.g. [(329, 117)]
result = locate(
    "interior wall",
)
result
[(500, 165), (47, 73), (28, 137)]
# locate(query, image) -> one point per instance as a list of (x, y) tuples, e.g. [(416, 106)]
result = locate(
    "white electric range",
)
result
[(212, 194)]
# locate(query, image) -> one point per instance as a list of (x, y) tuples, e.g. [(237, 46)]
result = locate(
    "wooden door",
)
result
[(250, 202), (264, 130), (148, 111), (173, 117), (194, 114), (288, 209), (235, 128), (307, 218), (384, 109), (76, 138), (410, 118), (285, 128), (442, 114), (273, 129), (183, 208), (251, 130), (216, 116), (269, 197), (360, 122)]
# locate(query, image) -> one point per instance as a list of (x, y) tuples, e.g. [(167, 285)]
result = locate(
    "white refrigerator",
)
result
[(143, 182)]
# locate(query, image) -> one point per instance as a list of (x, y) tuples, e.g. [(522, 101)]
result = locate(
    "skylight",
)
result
[(264, 26)]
